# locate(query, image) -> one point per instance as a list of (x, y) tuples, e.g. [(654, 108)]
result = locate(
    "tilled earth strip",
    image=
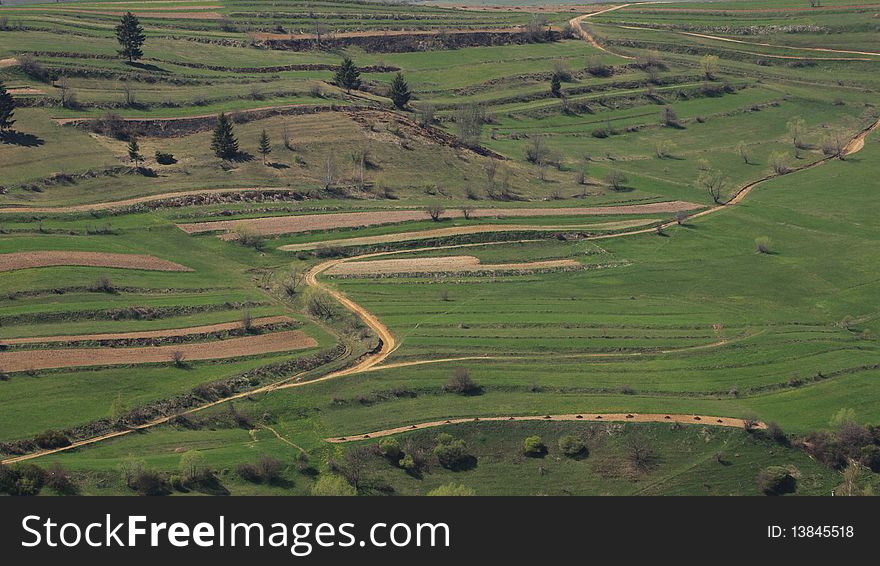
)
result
[(28, 360), (306, 223), (29, 260)]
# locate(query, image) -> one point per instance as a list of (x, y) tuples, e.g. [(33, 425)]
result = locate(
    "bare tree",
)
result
[(178, 358), (469, 119), (293, 281), (491, 168), (128, 94), (329, 172), (616, 179), (713, 182), (743, 151), (68, 96), (640, 454), (467, 211), (435, 211)]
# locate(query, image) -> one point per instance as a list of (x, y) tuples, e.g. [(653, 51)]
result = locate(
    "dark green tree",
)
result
[(556, 86), (265, 146), (131, 37), (7, 108), (223, 142), (347, 76), (134, 152), (400, 93)]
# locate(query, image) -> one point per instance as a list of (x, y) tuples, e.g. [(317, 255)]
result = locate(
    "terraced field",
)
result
[(627, 224)]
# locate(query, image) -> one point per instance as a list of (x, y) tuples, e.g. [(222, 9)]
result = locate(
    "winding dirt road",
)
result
[(587, 417), (581, 32)]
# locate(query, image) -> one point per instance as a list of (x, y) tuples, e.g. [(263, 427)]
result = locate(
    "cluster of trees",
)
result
[(7, 109), (30, 479)]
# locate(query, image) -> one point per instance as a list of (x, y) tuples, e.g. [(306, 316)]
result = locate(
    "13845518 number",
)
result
[(822, 531)]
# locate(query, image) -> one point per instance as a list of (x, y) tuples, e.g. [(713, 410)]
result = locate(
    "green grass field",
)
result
[(763, 308)]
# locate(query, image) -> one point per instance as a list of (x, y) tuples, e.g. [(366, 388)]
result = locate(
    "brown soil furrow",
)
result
[(385, 33), (154, 14), (26, 360), (463, 230), (449, 264), (306, 223), (587, 417), (21, 91), (257, 322), (28, 260)]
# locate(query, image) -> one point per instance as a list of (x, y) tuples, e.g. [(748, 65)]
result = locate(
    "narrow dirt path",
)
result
[(388, 343), (282, 439), (129, 202), (581, 32), (584, 417)]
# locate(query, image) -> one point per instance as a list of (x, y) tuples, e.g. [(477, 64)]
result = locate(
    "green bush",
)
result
[(534, 447), (332, 485), (451, 489), (452, 454), (390, 448), (776, 480), (572, 446), (871, 457)]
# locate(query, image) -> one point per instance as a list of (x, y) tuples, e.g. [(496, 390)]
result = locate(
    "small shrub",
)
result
[(51, 439), (165, 158), (451, 489), (763, 245), (150, 483), (776, 480), (178, 359), (462, 383), (248, 472), (452, 454), (534, 447), (572, 446), (390, 448)]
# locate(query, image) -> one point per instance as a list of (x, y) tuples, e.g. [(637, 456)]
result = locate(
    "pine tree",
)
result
[(347, 76), (223, 141), (134, 152), (131, 37), (7, 108), (400, 93), (265, 146), (556, 86)]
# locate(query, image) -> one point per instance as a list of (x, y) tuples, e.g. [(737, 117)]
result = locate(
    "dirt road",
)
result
[(584, 417)]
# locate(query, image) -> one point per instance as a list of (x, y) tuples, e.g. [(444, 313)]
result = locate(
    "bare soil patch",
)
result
[(451, 264), (463, 230), (28, 260), (257, 323), (307, 223), (82, 357), (8, 62)]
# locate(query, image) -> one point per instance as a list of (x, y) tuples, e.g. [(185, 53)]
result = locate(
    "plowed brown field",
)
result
[(292, 224), (28, 260), (26, 360)]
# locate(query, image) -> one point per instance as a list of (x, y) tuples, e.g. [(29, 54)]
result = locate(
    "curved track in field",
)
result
[(583, 417), (388, 343), (579, 30)]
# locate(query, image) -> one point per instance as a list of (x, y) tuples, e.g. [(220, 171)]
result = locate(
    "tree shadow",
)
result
[(14, 137), (241, 157), (146, 67), (275, 165)]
